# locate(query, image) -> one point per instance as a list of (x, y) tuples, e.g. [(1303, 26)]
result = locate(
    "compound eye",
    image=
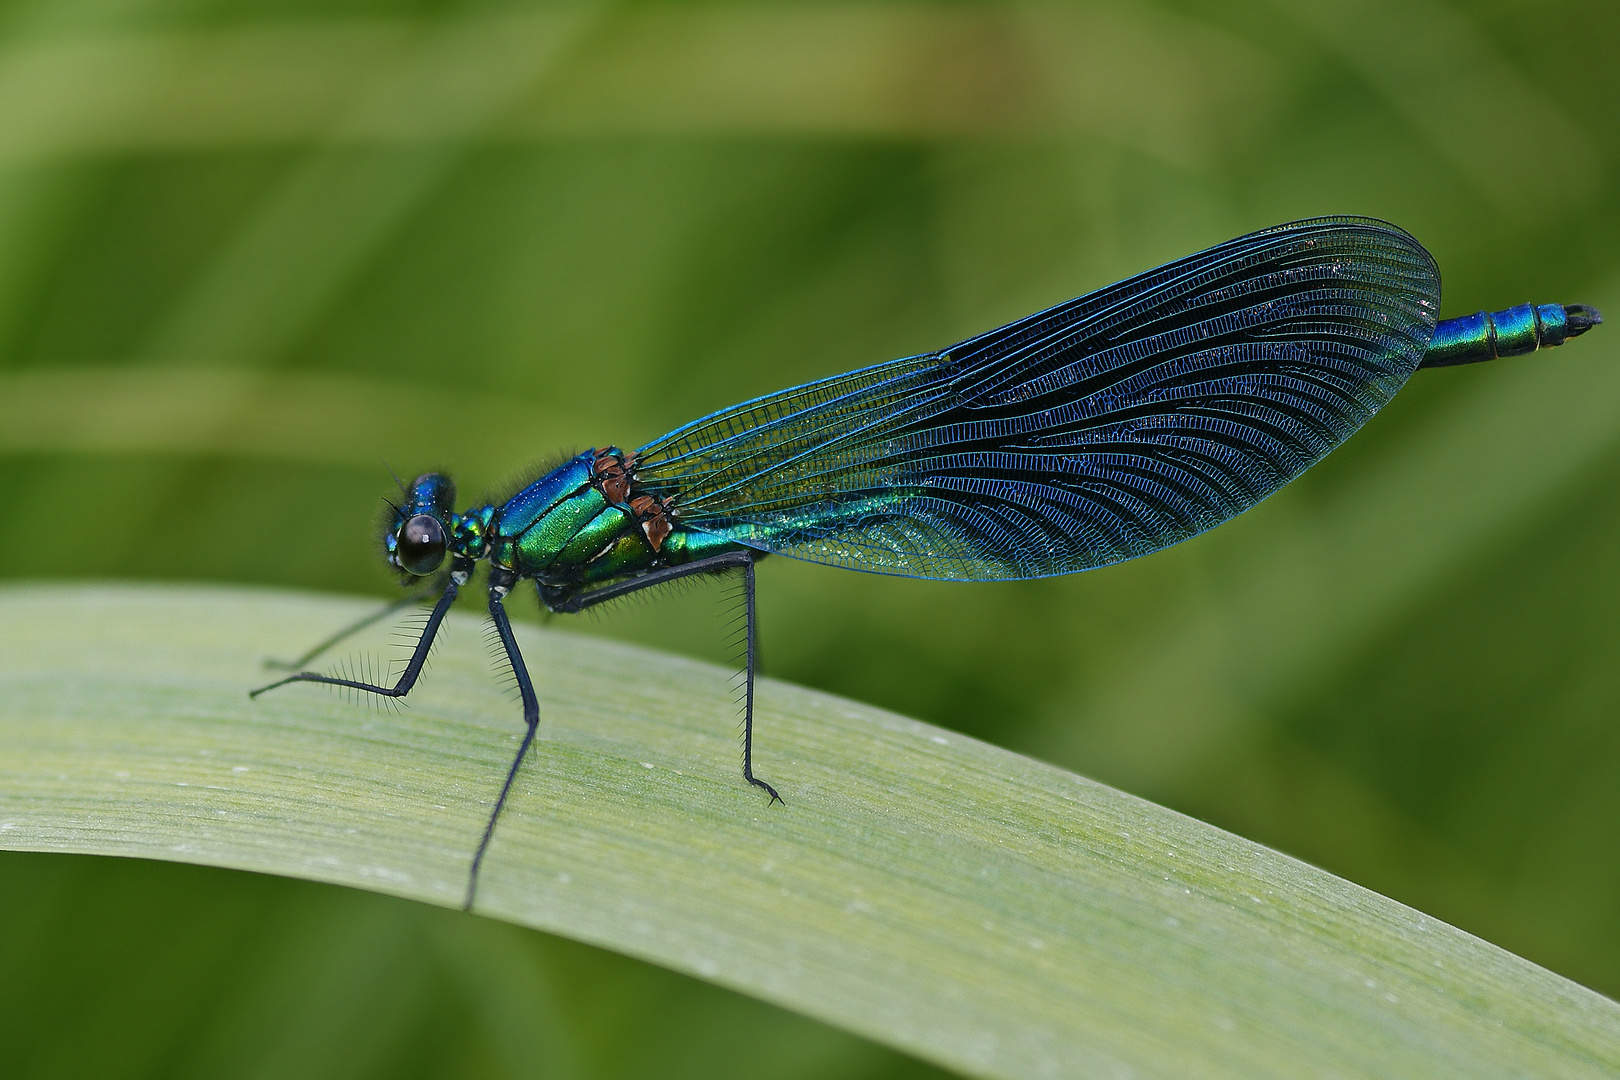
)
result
[(421, 545)]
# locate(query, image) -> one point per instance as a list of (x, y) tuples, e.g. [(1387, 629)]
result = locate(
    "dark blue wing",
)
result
[(1095, 431)]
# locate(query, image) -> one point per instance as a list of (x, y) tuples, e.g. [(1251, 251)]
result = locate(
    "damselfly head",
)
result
[(415, 540)]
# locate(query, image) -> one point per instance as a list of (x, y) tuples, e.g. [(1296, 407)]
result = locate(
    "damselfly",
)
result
[(1098, 430)]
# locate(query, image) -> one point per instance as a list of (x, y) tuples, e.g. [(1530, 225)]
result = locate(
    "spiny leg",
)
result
[(569, 605), (419, 655), (748, 708), (500, 583), (352, 628), (731, 560)]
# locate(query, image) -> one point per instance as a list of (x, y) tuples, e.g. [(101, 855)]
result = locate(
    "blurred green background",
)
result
[(249, 251)]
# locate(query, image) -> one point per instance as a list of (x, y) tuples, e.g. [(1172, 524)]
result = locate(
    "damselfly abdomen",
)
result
[(1096, 431)]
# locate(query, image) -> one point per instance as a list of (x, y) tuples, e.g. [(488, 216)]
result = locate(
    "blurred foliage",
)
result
[(156, 969), (250, 251)]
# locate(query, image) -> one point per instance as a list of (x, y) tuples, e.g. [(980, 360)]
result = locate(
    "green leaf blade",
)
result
[(973, 907)]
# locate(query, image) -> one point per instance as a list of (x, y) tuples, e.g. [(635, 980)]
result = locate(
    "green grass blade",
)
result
[(973, 907)]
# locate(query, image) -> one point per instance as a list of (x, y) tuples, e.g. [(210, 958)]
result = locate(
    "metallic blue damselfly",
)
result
[(1095, 431)]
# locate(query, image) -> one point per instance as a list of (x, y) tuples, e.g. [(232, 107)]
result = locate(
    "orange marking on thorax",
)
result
[(654, 519), (612, 475)]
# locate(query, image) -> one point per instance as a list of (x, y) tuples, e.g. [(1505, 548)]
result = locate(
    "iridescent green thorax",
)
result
[(587, 523), (538, 523)]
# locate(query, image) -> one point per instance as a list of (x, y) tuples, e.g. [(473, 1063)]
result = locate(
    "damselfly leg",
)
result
[(731, 560), (500, 584), (413, 669), (348, 631)]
